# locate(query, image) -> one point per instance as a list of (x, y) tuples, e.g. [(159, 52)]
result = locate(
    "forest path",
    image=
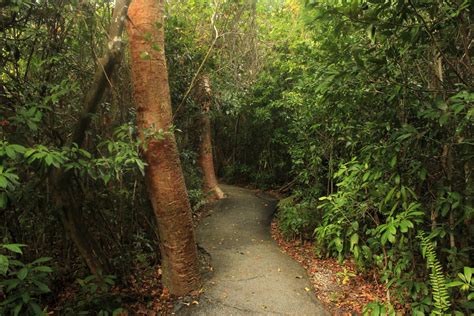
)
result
[(251, 275)]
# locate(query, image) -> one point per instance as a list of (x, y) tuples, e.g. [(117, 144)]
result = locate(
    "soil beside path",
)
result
[(251, 275)]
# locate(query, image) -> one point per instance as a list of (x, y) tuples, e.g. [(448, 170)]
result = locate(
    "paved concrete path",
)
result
[(251, 276)]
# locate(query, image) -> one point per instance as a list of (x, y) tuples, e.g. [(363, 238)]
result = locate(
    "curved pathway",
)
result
[(251, 275)]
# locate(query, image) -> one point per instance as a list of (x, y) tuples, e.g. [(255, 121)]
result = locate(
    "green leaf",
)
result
[(41, 260), (49, 160), (454, 283), (11, 284), (3, 264), (22, 273), (397, 179), (3, 182), (43, 269), (17, 309), (458, 108), (366, 176), (41, 286), (404, 225), (10, 152), (36, 309), (354, 240), (14, 247), (393, 161), (468, 274), (25, 297)]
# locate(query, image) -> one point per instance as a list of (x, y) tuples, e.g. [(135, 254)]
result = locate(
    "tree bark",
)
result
[(164, 175), (210, 185)]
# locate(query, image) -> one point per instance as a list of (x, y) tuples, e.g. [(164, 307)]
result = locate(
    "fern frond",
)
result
[(440, 293)]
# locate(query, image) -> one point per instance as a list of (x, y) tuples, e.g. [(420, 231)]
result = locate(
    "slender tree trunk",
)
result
[(63, 197), (210, 184), (164, 176)]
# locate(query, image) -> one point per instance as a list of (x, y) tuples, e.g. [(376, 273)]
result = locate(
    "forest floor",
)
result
[(248, 273), (338, 286)]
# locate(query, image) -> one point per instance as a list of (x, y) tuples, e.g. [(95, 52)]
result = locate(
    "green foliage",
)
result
[(378, 309), (49, 52), (295, 219), (22, 284), (95, 297), (368, 105), (345, 276), (441, 298), (465, 282)]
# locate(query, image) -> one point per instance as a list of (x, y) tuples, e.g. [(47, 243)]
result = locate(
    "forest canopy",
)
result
[(359, 113)]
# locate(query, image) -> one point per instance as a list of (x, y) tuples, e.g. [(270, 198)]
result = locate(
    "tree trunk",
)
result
[(210, 185), (63, 197), (164, 176), (76, 229)]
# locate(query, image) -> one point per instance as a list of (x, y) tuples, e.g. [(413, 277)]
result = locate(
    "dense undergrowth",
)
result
[(368, 106)]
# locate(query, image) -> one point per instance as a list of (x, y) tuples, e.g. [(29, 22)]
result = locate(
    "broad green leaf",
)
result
[(14, 247)]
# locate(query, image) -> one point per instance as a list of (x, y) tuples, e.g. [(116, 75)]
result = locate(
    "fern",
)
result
[(438, 282)]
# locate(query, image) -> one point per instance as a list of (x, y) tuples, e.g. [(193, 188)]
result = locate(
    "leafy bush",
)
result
[(295, 219), (465, 282), (22, 285), (95, 297)]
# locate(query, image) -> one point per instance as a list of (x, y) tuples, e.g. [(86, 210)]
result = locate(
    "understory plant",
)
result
[(22, 285)]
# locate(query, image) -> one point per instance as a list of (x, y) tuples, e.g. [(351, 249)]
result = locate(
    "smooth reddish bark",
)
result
[(210, 185), (164, 175)]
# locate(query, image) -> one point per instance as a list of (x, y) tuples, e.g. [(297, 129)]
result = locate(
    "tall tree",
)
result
[(164, 175), (211, 186)]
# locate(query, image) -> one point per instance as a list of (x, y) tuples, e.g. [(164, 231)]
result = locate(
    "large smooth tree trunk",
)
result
[(211, 186), (164, 175)]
